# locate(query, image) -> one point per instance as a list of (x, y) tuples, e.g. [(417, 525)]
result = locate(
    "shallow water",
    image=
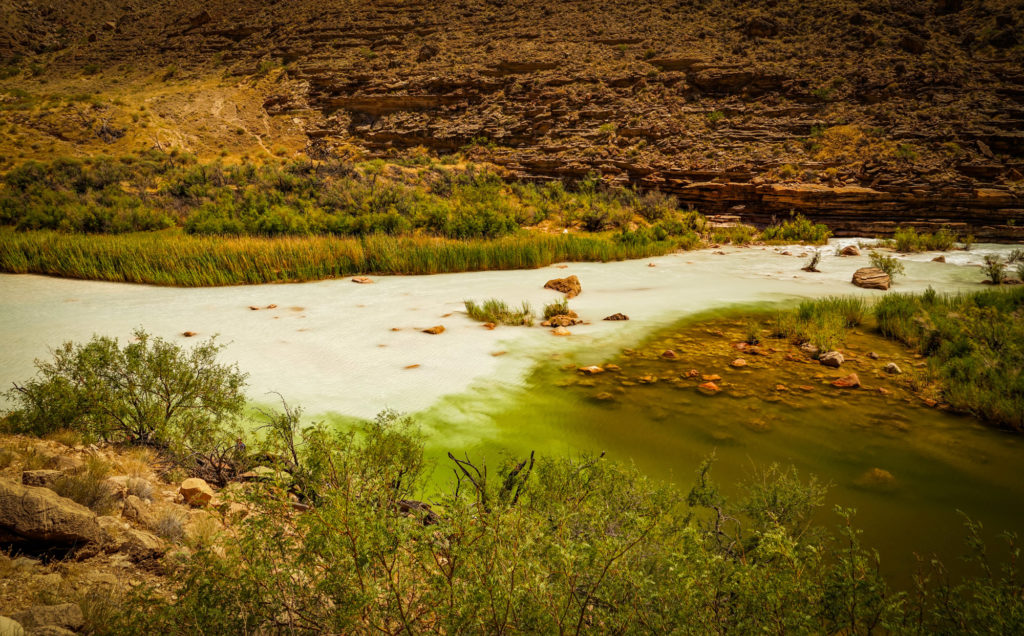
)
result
[(332, 348)]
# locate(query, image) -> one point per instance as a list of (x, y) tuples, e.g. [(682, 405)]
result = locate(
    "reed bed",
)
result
[(177, 259)]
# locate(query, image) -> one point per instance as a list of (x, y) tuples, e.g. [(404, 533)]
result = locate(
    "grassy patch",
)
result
[(909, 240), (974, 343), (797, 230), (558, 308), (499, 313), (197, 261)]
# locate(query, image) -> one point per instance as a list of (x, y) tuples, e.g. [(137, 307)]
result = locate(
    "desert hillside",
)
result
[(863, 115)]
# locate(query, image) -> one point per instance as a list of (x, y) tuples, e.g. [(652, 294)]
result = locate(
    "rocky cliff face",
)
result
[(864, 115)]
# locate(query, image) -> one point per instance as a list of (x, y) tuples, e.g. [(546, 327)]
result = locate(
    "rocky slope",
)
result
[(864, 115)]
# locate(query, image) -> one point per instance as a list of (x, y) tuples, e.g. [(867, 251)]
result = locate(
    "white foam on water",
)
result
[(338, 353)]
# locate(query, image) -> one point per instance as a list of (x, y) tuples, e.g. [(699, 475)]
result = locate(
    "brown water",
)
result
[(940, 462)]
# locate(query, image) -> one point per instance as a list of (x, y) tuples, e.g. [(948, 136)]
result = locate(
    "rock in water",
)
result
[(564, 320), (569, 286), (847, 382), (617, 317), (738, 363), (669, 354), (196, 492), (831, 359), (362, 280), (560, 331), (939, 259), (434, 330), (876, 479), (871, 278), (709, 388), (892, 368), (591, 370), (39, 514), (850, 250)]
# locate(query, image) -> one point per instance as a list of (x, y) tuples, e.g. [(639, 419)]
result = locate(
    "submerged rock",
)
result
[(832, 359), (560, 331), (669, 354), (876, 479), (570, 286), (847, 382), (708, 388), (591, 370), (871, 278), (617, 317), (738, 363)]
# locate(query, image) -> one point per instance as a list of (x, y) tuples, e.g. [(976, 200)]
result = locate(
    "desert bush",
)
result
[(797, 230), (170, 525), (888, 264), (909, 240), (498, 312), (149, 392), (139, 487), (994, 269), (88, 487), (738, 234)]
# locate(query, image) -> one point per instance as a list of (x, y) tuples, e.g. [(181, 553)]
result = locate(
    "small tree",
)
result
[(150, 391), (993, 268), (888, 264)]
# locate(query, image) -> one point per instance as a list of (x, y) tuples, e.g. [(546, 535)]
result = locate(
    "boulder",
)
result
[(439, 329), (939, 259), (810, 349), (847, 382), (196, 492), (39, 514), (569, 286), (560, 331), (617, 317), (738, 363), (709, 388), (66, 615), (10, 627), (44, 478), (892, 368), (832, 359), (136, 510), (849, 250), (871, 278), (564, 320), (669, 354), (876, 479), (138, 545)]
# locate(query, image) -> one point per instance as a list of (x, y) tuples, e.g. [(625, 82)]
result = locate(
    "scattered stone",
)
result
[(647, 379), (44, 478), (939, 259), (564, 320), (39, 514), (490, 325), (499, 353), (693, 373), (711, 378), (929, 402), (66, 615), (871, 278), (188, 334), (196, 492), (604, 396), (872, 355), (569, 286), (362, 280), (254, 307), (804, 387), (669, 354), (612, 367), (884, 391), (847, 382), (617, 317), (876, 479), (892, 368), (560, 331), (412, 366), (121, 538), (759, 425), (781, 387), (651, 265), (198, 20), (709, 388), (738, 363), (439, 329), (810, 349), (591, 370), (849, 250), (136, 510), (832, 359), (271, 306)]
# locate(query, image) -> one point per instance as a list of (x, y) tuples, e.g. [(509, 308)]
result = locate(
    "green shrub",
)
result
[(150, 391), (798, 230), (994, 269), (499, 313), (88, 487), (908, 240), (888, 264)]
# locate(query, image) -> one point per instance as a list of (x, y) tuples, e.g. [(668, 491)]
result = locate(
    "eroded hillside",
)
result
[(864, 115)]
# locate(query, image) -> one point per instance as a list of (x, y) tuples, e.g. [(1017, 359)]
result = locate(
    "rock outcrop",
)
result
[(39, 514)]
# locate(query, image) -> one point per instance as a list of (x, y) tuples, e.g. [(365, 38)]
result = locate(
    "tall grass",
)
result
[(499, 313), (174, 258), (822, 322), (557, 308), (974, 342)]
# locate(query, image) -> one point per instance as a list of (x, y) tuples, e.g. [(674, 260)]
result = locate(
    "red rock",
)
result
[(709, 388), (669, 354), (847, 382), (254, 307), (271, 306), (569, 286), (804, 387), (489, 325), (711, 378), (693, 373), (413, 366), (591, 370), (560, 331), (647, 379), (884, 391), (930, 402), (188, 334), (434, 330), (612, 367), (781, 387), (738, 363), (196, 492)]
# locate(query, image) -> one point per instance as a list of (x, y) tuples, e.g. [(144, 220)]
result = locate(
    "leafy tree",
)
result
[(150, 391)]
